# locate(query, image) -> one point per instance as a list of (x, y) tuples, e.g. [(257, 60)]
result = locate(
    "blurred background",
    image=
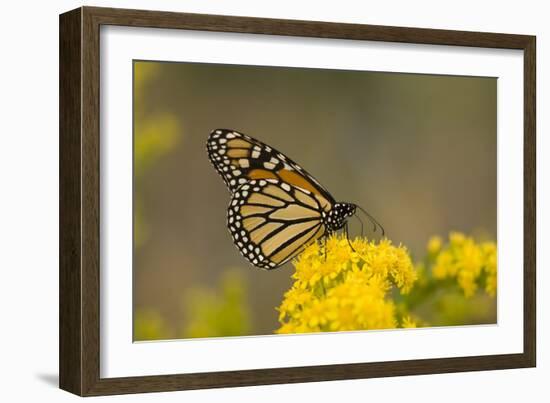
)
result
[(417, 151)]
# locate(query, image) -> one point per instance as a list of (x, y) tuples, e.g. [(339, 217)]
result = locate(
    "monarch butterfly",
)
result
[(276, 207)]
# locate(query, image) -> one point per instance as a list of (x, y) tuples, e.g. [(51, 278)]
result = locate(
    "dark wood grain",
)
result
[(530, 202), (70, 230), (317, 29), (305, 374), (90, 201), (79, 200)]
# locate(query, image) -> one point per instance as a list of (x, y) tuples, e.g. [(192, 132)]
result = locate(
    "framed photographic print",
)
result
[(249, 201)]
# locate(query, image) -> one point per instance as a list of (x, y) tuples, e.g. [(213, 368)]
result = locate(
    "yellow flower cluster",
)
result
[(340, 288), (465, 260)]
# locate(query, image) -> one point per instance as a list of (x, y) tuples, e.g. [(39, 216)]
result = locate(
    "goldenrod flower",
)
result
[(434, 245), (468, 262), (340, 288), (408, 322), (489, 250)]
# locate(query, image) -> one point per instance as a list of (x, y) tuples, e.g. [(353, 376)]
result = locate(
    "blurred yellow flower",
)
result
[(337, 287), (218, 312), (143, 72), (468, 262), (457, 238), (155, 135), (408, 322), (489, 250), (434, 245), (150, 325)]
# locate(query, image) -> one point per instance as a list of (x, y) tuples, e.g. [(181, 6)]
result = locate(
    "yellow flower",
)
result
[(456, 238), (150, 325), (489, 250), (368, 285), (434, 245), (408, 322), (295, 298), (315, 314), (218, 312), (468, 262), (154, 137), (337, 287)]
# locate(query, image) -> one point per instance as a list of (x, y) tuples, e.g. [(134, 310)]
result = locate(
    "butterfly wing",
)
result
[(239, 158), (272, 221)]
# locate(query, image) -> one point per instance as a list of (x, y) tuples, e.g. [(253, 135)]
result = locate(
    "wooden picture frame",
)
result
[(79, 346)]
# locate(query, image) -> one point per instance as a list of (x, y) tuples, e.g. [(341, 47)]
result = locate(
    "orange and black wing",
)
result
[(239, 159), (272, 221)]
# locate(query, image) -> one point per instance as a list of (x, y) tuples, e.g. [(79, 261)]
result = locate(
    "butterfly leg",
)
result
[(346, 233)]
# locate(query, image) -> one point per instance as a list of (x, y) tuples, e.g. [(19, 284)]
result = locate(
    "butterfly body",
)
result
[(276, 207)]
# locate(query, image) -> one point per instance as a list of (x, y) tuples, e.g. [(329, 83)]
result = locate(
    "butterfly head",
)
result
[(336, 218)]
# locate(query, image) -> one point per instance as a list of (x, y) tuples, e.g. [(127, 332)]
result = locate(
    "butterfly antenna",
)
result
[(372, 220)]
